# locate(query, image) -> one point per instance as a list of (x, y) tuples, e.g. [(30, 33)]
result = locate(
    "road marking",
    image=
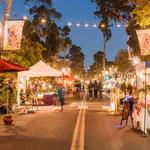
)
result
[(82, 131), (75, 134), (78, 135)]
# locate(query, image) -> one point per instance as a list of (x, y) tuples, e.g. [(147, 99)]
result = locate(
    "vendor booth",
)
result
[(38, 70), (141, 110)]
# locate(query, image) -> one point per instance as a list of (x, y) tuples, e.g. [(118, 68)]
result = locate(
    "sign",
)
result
[(144, 41), (12, 35)]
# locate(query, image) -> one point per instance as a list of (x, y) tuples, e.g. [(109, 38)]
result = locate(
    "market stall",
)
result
[(139, 112), (38, 70)]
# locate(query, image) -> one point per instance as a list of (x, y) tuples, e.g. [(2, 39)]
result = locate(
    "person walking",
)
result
[(90, 89), (96, 88), (60, 94), (100, 90)]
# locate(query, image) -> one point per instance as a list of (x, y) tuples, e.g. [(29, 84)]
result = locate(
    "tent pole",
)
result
[(145, 102)]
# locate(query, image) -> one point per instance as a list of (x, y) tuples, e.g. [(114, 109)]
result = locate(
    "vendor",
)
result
[(127, 108)]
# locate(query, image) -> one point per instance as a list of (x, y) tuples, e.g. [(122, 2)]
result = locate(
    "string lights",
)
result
[(84, 25), (78, 24), (71, 24)]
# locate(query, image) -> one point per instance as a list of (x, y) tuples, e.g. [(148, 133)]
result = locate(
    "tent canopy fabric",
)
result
[(40, 69), (7, 66)]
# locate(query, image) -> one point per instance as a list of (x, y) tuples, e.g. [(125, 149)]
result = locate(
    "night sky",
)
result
[(79, 11)]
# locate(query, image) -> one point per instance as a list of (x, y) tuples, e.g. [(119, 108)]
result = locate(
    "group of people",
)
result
[(95, 89)]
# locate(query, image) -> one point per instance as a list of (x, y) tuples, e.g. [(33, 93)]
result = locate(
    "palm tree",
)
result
[(8, 9)]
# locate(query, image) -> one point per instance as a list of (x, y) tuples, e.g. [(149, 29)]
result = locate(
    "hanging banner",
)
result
[(144, 41), (1, 37), (12, 35)]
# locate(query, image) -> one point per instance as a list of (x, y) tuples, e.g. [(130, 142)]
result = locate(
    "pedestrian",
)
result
[(60, 94), (96, 88), (90, 88), (100, 90), (127, 108)]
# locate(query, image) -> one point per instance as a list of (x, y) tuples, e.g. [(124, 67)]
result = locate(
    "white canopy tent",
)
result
[(40, 69)]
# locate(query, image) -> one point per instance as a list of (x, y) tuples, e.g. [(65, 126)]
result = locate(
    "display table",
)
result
[(48, 99)]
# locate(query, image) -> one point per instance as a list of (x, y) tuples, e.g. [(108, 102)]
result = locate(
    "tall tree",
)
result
[(132, 37), (98, 62), (45, 30), (76, 60), (122, 62), (113, 10)]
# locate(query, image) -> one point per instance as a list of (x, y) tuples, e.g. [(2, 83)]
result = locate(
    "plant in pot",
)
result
[(7, 96)]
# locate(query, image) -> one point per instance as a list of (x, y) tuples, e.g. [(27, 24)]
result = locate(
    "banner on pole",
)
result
[(12, 35), (144, 41)]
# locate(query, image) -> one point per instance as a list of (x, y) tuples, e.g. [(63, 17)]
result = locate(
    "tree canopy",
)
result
[(122, 62), (44, 29), (76, 60), (142, 12)]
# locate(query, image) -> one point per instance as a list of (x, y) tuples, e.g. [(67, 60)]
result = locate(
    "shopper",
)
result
[(96, 89), (100, 90), (60, 93), (90, 88)]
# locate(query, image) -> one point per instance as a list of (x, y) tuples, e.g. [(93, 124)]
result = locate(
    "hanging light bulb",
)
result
[(94, 25), (69, 24), (86, 25), (78, 24), (25, 18), (43, 20), (118, 25)]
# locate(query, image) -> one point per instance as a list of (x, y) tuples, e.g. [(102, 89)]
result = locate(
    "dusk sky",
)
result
[(80, 11)]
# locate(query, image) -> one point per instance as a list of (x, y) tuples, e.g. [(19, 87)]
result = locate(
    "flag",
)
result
[(12, 35), (144, 41)]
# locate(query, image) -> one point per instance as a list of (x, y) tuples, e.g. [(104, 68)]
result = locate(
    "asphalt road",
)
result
[(51, 129)]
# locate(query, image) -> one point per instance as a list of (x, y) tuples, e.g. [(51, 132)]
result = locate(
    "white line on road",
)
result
[(78, 135)]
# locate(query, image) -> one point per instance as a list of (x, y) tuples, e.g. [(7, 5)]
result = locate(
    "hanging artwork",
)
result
[(144, 41), (12, 35)]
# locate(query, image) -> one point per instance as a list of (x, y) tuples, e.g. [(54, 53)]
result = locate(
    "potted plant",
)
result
[(7, 96), (8, 119)]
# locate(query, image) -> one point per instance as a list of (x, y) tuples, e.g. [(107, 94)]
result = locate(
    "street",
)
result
[(50, 129)]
